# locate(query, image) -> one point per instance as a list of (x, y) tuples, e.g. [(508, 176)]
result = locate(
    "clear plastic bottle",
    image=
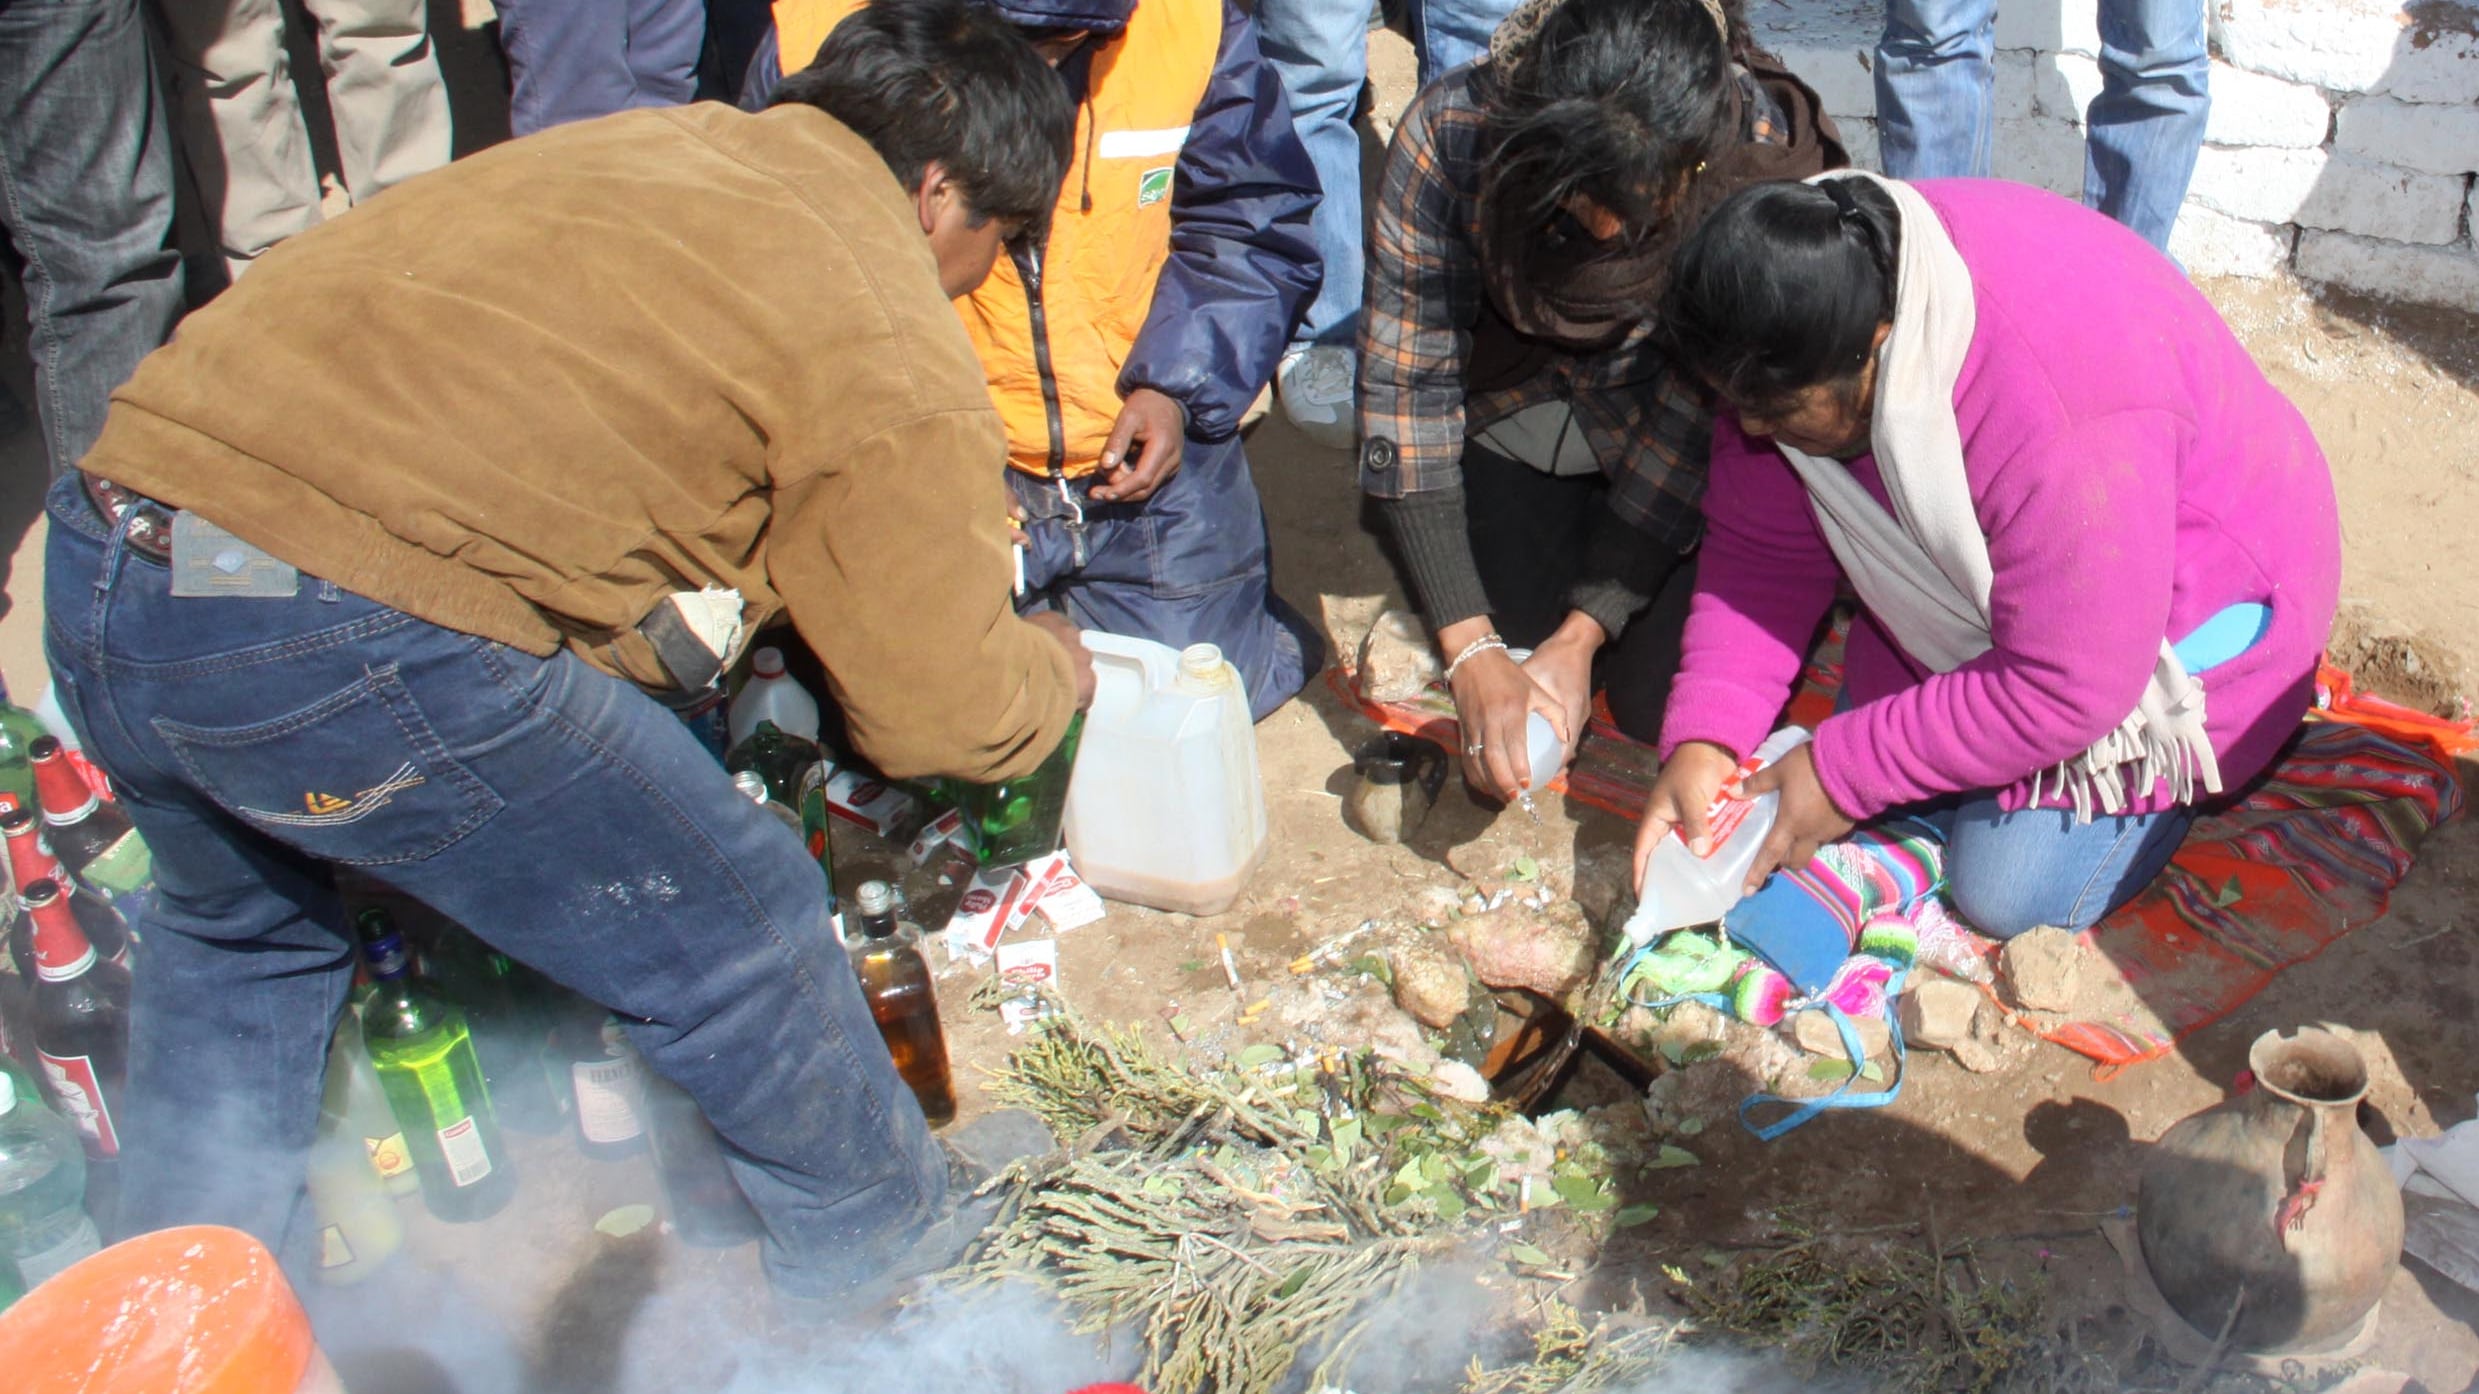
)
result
[(1681, 888), (43, 1223)]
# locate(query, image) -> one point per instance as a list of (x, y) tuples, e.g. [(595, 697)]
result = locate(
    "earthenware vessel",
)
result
[(1395, 782), (2276, 1194)]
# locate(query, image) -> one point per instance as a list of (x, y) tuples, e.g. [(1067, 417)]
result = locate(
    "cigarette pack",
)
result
[(945, 828), (994, 903), (1063, 898), (867, 800), (1033, 966)]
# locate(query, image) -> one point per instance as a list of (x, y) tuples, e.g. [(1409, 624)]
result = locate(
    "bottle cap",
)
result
[(874, 898), (751, 784), (766, 663)]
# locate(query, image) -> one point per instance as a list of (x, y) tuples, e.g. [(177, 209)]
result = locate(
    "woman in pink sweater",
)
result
[(2096, 552)]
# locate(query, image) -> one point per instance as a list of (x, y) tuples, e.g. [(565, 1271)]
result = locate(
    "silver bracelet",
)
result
[(1472, 650)]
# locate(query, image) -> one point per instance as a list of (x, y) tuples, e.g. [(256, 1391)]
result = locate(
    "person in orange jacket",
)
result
[(1125, 346)]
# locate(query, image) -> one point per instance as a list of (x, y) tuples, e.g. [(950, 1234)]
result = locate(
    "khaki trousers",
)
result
[(242, 124)]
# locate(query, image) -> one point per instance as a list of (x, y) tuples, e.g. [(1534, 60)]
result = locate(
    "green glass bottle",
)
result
[(777, 757), (1017, 820), (18, 730), (424, 1053)]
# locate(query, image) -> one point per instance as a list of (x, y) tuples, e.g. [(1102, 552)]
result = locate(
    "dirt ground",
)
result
[(2027, 1159)]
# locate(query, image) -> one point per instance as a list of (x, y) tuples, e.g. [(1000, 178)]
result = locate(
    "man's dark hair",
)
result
[(1619, 101), (1783, 288), (950, 81)]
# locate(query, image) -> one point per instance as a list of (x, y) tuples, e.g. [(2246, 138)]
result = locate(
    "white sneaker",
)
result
[(1317, 387)]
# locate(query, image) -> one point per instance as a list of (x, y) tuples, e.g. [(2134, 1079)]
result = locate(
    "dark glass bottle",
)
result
[(424, 1054), (777, 757), (93, 839), (895, 980), (81, 1022), (31, 860), (19, 730)]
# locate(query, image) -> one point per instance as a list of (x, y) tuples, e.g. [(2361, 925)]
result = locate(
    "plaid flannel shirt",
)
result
[(1648, 426)]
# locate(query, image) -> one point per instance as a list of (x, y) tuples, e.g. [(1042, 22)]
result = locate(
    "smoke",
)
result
[(994, 1340)]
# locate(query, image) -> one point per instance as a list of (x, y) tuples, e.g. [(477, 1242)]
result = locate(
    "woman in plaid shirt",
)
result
[(1538, 462)]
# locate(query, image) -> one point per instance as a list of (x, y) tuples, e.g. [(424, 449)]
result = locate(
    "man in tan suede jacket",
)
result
[(394, 555)]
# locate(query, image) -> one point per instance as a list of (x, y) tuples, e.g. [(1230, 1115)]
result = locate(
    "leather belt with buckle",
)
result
[(150, 523)]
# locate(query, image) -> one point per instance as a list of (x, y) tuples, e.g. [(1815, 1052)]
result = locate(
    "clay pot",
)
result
[(2277, 1194)]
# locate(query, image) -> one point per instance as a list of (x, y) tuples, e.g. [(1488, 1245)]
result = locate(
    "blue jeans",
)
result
[(571, 60), (1188, 566), (1935, 112), (2006, 873), (560, 814), (86, 196), (1320, 49)]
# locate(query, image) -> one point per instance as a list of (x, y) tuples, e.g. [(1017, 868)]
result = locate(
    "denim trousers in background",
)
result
[(1935, 106), (558, 813), (86, 197), (1320, 48), (573, 60)]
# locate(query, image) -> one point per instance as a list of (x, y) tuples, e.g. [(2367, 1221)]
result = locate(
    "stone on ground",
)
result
[(1817, 1035), (1549, 951), (1397, 661), (1429, 982), (1937, 1013), (2044, 968)]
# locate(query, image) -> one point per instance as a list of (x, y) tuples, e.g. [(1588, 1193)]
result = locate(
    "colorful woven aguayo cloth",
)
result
[(2307, 854)]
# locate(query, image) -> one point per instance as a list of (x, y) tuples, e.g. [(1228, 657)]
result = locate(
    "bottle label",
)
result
[(468, 1160), (80, 1094), (389, 1156), (334, 1250), (80, 1241), (606, 1106), (123, 867)]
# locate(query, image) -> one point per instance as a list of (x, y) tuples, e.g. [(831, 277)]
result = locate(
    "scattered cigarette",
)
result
[(1330, 949), (1230, 965), (1018, 549)]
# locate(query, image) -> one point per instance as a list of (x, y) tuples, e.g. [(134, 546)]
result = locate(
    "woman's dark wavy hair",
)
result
[(1616, 100), (950, 81), (1782, 289)]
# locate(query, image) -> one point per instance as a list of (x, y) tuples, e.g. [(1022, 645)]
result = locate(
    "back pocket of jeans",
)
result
[(359, 777)]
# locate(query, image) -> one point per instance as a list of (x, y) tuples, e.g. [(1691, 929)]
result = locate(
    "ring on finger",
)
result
[(1474, 749)]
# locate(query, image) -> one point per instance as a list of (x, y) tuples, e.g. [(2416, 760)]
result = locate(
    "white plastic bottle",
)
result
[(1542, 747), (1681, 888), (43, 1223), (773, 695), (1165, 807)]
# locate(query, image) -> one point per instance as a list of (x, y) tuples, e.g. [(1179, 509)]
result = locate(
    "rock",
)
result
[(1480, 859), (1456, 1080), (1397, 662), (2415, 135), (2207, 243), (1684, 1026), (1604, 882), (1429, 982), (1817, 1035), (2253, 109), (1435, 905), (2391, 270), (2045, 968), (1977, 1056), (1550, 951), (1937, 1013), (2338, 193)]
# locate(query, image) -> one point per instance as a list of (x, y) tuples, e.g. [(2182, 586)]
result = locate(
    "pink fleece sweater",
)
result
[(2134, 473)]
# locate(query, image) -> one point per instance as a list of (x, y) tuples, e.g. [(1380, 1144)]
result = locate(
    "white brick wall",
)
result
[(2415, 135), (2428, 275), (2343, 143), (2252, 109)]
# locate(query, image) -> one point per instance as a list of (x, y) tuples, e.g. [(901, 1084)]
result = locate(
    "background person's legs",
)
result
[(2147, 123), (556, 812), (2006, 873), (1190, 566), (572, 60), (383, 86), (86, 198), (1935, 100), (241, 123), (1450, 33), (1320, 48)]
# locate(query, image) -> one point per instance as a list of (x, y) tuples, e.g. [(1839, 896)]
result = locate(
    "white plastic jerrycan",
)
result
[(1166, 808), (1681, 888)]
